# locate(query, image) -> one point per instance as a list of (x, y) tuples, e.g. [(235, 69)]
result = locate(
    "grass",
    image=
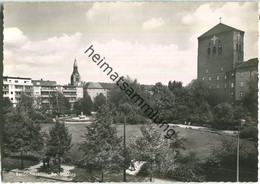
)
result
[(198, 141)]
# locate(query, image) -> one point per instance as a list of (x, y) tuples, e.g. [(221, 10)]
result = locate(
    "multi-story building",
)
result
[(13, 87), (244, 73), (43, 90), (220, 53)]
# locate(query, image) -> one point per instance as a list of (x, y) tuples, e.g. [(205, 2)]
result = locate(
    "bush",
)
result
[(188, 169), (131, 119), (250, 132), (224, 158)]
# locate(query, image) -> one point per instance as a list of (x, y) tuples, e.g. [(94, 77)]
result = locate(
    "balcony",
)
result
[(49, 89)]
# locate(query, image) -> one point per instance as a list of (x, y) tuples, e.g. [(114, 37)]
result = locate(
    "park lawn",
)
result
[(199, 141)]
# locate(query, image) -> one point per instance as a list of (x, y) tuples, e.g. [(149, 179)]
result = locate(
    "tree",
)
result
[(227, 116), (223, 161), (99, 101), (101, 146), (7, 105), (25, 104), (155, 150), (21, 134), (59, 141), (59, 104), (197, 103), (251, 98), (163, 101), (83, 105)]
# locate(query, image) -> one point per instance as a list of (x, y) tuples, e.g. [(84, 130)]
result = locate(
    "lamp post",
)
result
[(124, 150), (238, 132)]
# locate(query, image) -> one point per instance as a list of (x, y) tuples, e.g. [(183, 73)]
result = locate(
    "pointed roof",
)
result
[(75, 63), (219, 28)]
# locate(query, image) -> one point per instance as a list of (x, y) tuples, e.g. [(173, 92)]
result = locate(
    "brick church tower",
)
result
[(75, 76), (220, 50)]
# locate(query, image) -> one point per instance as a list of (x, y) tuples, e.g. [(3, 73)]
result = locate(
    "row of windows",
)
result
[(16, 81), (214, 50), (221, 69), (225, 77), (231, 85), (225, 86)]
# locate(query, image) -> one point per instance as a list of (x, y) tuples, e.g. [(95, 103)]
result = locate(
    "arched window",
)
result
[(214, 50), (208, 51), (219, 49)]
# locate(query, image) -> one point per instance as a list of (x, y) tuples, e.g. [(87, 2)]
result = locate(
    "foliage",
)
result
[(101, 146), (251, 98), (159, 153), (59, 104), (83, 105), (25, 103), (7, 105), (99, 101), (227, 116), (21, 134), (39, 117), (117, 98), (250, 132), (187, 169), (225, 157), (130, 119), (163, 101), (59, 141)]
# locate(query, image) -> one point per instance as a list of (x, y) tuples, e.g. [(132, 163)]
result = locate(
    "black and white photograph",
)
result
[(128, 91)]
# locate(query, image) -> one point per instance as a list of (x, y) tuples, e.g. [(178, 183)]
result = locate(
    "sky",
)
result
[(148, 41)]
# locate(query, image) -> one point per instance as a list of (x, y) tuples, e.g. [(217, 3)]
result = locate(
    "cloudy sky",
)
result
[(152, 42)]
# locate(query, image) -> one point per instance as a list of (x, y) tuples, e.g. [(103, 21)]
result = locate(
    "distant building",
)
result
[(95, 88), (244, 72), (75, 76), (43, 90), (220, 53), (13, 87)]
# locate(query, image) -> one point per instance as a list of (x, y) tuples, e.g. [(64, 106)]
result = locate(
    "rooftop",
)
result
[(94, 85), (44, 83), (218, 29), (25, 78), (250, 63)]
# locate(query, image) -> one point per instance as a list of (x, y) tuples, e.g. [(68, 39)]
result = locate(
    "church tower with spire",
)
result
[(75, 76)]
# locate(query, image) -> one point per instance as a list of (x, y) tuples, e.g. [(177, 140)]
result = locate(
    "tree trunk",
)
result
[(59, 164), (102, 173), (124, 149), (22, 158), (151, 172), (90, 168)]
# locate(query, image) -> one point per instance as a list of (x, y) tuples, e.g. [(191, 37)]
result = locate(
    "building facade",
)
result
[(42, 90), (244, 74), (13, 87), (220, 53)]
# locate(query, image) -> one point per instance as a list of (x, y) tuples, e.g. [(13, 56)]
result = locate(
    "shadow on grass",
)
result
[(10, 163)]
